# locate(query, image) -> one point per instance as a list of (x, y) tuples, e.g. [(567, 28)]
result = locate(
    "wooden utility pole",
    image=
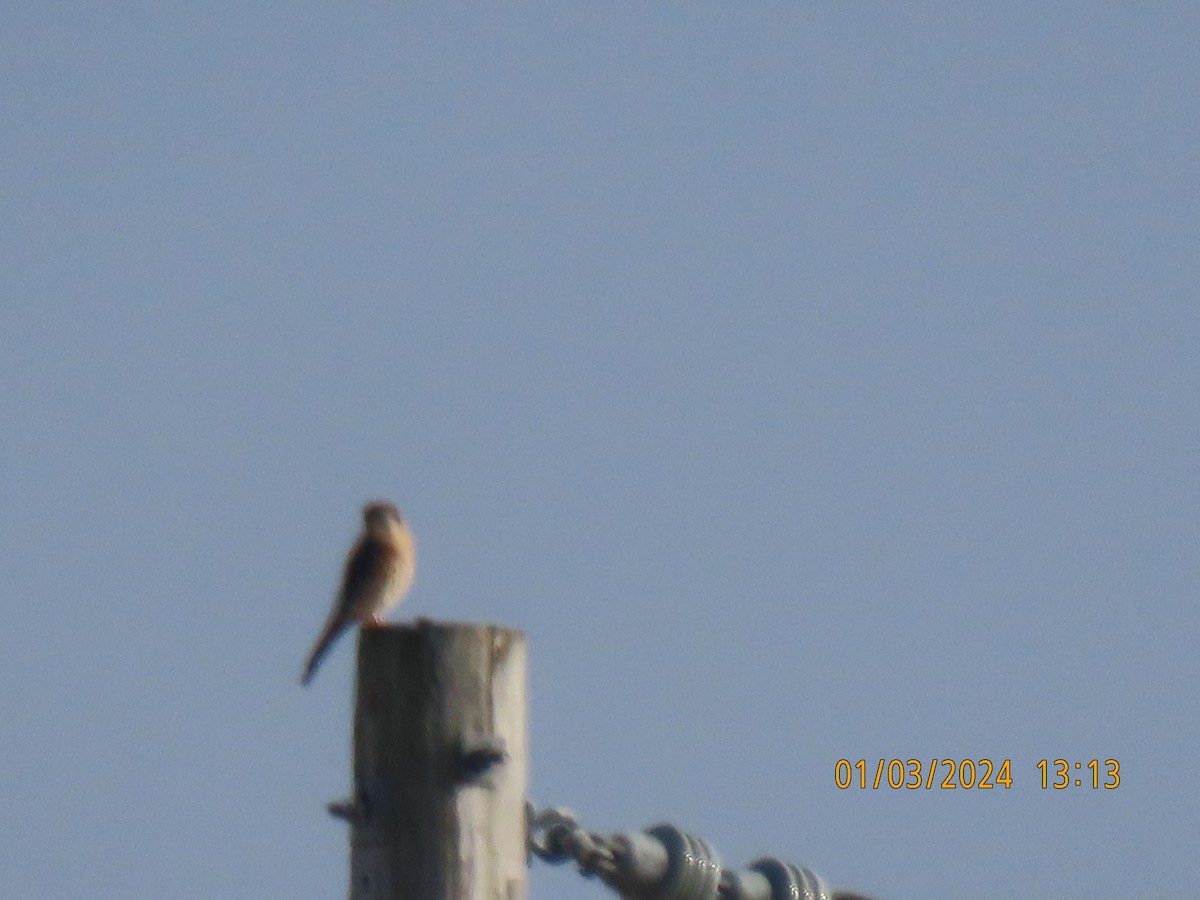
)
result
[(440, 764)]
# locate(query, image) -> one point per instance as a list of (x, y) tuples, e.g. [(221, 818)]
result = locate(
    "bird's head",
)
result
[(379, 515)]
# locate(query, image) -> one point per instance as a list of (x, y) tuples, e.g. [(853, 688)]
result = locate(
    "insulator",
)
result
[(743, 884), (664, 863), (789, 882)]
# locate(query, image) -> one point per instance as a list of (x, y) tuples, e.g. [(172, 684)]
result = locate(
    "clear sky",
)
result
[(808, 381)]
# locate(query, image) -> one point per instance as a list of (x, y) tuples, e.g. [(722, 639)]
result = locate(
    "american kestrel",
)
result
[(379, 570)]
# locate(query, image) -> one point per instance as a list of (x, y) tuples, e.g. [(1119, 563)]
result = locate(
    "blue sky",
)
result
[(807, 381)]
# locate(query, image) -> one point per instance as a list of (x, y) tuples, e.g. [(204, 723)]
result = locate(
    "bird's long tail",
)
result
[(332, 631)]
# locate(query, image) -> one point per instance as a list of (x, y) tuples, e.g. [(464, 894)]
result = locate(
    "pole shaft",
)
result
[(440, 764)]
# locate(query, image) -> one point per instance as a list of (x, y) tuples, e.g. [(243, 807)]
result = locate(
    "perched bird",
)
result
[(379, 570)]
